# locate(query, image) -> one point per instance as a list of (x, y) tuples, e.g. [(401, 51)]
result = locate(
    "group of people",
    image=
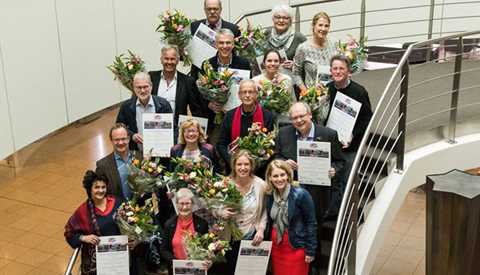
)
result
[(274, 206)]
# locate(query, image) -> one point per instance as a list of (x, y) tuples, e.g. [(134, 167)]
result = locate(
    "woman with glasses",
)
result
[(316, 51), (177, 227), (283, 36)]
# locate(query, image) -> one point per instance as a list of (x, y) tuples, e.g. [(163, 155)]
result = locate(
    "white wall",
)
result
[(55, 52)]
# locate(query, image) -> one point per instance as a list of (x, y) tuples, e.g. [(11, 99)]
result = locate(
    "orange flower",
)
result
[(136, 161), (211, 235), (240, 28), (212, 191), (174, 26), (198, 165), (264, 129), (319, 92), (137, 208), (303, 93), (168, 12), (236, 40), (350, 56), (135, 219), (227, 73)]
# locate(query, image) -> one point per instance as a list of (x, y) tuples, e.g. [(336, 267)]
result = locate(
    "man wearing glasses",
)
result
[(303, 128), (237, 121), (213, 10)]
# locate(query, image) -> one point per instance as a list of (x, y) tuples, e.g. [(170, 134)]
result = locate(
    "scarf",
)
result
[(183, 226), (279, 212), (237, 120), (283, 40)]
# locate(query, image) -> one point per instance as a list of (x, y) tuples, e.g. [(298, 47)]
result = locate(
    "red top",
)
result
[(177, 242)]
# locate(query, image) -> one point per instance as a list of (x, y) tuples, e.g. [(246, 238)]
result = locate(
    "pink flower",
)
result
[(180, 28), (204, 157), (152, 164), (217, 82), (187, 177), (199, 190), (167, 19), (224, 87), (130, 219)]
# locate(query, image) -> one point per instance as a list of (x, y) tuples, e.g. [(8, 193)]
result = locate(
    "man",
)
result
[(177, 88), (114, 166), (238, 120), (303, 128), (342, 83), (132, 110), (213, 11)]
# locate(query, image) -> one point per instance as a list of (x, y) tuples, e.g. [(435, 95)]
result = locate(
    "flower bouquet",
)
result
[(144, 176), (125, 68), (274, 95), (260, 144), (191, 174), (317, 97), (220, 195), (136, 222), (205, 247), (175, 28), (215, 86), (250, 43), (355, 52)]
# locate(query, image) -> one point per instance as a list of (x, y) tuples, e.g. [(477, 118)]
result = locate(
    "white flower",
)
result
[(193, 174), (218, 184), (272, 142), (211, 247), (129, 214)]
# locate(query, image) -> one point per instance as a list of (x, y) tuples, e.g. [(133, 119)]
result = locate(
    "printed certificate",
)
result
[(343, 115), (112, 256), (158, 134), (323, 74), (253, 260), (314, 161), (233, 101), (203, 121), (187, 267), (202, 45)]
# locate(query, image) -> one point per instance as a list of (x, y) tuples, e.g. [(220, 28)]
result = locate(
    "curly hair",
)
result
[(90, 178)]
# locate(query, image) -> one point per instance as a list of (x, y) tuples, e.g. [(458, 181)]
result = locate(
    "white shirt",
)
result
[(168, 91), (140, 110)]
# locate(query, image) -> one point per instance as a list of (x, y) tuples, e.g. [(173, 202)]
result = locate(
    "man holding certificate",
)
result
[(350, 111), (303, 129)]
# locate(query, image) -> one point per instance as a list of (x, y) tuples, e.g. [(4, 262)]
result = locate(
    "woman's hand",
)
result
[(226, 213), (288, 64), (331, 172), (309, 259), (91, 239), (170, 194), (133, 244), (207, 264), (258, 238)]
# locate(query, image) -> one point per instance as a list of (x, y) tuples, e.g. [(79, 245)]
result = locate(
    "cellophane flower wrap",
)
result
[(136, 221), (220, 195), (355, 52), (317, 97), (215, 86), (144, 176), (192, 174), (259, 142), (250, 43), (124, 68), (175, 28), (205, 247), (274, 95)]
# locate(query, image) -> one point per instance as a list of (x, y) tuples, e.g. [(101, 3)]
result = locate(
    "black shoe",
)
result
[(327, 217)]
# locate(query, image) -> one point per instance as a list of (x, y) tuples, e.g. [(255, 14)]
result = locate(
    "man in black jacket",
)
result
[(213, 11)]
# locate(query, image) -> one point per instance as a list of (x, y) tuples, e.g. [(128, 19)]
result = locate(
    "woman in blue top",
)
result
[(291, 221)]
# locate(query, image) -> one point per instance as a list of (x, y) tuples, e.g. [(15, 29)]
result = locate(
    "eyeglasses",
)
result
[(212, 9), (247, 92), (184, 204), (191, 132), (298, 117), (142, 87), (284, 18), (117, 140)]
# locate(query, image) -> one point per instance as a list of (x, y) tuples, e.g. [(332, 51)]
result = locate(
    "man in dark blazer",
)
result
[(114, 165), (177, 88), (131, 110), (303, 128), (213, 10)]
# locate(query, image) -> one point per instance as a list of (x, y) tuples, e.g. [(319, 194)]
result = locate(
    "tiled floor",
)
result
[(35, 206)]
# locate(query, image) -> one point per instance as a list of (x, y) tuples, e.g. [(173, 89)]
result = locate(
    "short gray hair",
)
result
[(142, 75), (224, 32), (282, 7), (305, 104), (219, 2), (185, 193), (170, 47)]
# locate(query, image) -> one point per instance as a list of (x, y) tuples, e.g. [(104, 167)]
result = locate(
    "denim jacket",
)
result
[(302, 225)]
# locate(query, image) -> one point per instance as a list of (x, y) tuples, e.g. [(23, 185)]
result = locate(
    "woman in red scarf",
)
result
[(176, 228)]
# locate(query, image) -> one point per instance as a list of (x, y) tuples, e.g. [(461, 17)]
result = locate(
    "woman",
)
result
[(192, 144), (291, 221), (271, 59), (252, 219), (94, 218), (283, 36), (176, 228), (316, 51)]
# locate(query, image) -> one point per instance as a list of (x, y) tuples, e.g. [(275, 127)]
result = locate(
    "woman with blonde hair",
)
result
[(291, 222)]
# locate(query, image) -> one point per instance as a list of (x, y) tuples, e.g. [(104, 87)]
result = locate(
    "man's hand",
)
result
[(215, 107), (347, 144), (331, 172), (288, 64), (292, 164), (170, 194), (138, 138)]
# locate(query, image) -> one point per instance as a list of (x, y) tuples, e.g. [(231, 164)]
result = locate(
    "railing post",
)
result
[(402, 126), (297, 19), (455, 88), (352, 256), (430, 28), (363, 7)]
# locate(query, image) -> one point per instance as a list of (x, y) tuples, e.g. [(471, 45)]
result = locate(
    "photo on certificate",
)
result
[(207, 37), (343, 115), (253, 259), (323, 74), (188, 267), (158, 134), (345, 107), (314, 161)]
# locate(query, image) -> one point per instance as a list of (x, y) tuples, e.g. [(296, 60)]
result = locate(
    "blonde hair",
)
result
[(280, 164), (187, 124), (236, 156), (320, 15)]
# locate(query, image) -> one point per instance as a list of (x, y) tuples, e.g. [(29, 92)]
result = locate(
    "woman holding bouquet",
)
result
[(291, 221), (94, 218), (178, 227), (252, 219), (316, 51)]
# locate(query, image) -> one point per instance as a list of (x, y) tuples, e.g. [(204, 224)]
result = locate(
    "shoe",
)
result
[(327, 217)]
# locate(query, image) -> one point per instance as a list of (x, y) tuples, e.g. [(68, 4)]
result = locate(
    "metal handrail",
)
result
[(72, 261)]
